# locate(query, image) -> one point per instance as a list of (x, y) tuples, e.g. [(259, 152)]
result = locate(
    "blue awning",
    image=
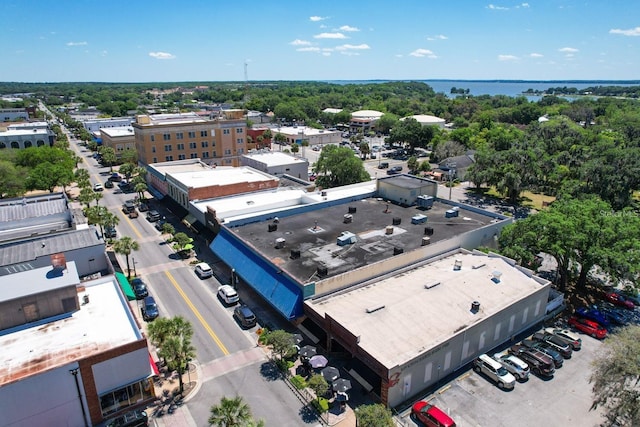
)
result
[(278, 289)]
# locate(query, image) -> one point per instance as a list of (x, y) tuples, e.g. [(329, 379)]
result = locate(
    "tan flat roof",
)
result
[(406, 319)]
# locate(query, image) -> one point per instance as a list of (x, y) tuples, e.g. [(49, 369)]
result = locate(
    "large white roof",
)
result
[(275, 158), (414, 318), (220, 176), (425, 119), (366, 114), (118, 131)]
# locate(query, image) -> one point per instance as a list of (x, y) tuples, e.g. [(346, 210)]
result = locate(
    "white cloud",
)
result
[(77, 44), (631, 32), (507, 58), (317, 18), (438, 37), (353, 47), (536, 55), (568, 50), (349, 53), (330, 36), (494, 7), (308, 49), (523, 5), (348, 28), (104, 53), (421, 53), (161, 55), (298, 42)]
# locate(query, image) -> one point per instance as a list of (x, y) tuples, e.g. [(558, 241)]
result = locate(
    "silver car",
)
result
[(515, 365)]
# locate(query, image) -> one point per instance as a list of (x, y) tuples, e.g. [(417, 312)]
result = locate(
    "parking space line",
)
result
[(197, 314)]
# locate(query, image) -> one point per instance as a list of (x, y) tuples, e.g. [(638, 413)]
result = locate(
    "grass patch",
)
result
[(535, 200), (321, 405), (298, 382)]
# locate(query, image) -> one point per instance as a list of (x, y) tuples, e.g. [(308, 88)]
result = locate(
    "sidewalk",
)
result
[(169, 409)]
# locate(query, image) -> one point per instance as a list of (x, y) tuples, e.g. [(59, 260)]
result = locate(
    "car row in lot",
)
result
[(242, 313), (149, 306)]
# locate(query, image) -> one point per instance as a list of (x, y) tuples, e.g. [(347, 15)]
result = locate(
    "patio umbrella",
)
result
[(330, 374), (307, 351), (297, 339), (341, 385), (318, 361)]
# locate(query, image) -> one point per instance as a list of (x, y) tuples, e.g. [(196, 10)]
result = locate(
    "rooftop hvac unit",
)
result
[(426, 240), (322, 271), (457, 266), (295, 254), (425, 201), (352, 209), (397, 250), (396, 220), (323, 193), (389, 229), (496, 276), (428, 231), (347, 218), (272, 227), (280, 242)]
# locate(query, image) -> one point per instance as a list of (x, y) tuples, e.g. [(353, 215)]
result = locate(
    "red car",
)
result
[(588, 327), (431, 416), (620, 300)]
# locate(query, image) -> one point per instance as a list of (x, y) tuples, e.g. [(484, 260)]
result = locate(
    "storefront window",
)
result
[(126, 396)]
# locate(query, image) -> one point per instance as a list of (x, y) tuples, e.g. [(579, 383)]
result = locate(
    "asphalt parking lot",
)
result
[(565, 399)]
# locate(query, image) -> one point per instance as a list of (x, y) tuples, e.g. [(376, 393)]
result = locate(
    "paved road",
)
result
[(230, 366)]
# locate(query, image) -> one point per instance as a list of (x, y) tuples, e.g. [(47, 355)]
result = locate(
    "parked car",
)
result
[(150, 309), (554, 342), (108, 184), (588, 327), (98, 187), (203, 270), (133, 213), (430, 415), (137, 418), (228, 295), (110, 232), (516, 366), (570, 337), (619, 299), (539, 363), (143, 207), (160, 223), (494, 371), (613, 314), (383, 165), (153, 216), (396, 168), (128, 207), (632, 296), (139, 288), (245, 316), (593, 314), (115, 177), (545, 348)]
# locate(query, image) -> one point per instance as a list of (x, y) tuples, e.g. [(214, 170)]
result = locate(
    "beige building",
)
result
[(168, 137), (121, 139)]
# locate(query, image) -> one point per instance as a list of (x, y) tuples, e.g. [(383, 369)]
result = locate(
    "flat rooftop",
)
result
[(177, 166), (118, 131), (412, 319), (104, 323), (315, 232), (172, 119), (275, 158), (299, 130), (221, 176)]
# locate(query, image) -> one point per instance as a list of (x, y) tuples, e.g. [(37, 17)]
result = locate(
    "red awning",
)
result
[(154, 366)]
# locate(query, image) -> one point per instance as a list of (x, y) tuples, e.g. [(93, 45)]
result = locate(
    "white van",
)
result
[(495, 371)]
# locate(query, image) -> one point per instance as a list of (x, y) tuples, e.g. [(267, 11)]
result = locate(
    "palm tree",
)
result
[(159, 331), (230, 413), (124, 246), (177, 350)]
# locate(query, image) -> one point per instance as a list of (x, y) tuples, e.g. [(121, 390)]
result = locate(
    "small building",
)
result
[(120, 138), (427, 120), (315, 137), (405, 189), (13, 114), (456, 167), (94, 125), (364, 121), (25, 135), (277, 163)]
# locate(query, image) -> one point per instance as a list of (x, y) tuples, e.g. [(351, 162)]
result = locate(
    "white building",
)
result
[(426, 120), (277, 163), (94, 125), (297, 134), (12, 114)]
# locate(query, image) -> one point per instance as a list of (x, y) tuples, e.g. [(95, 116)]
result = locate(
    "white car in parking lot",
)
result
[(203, 270)]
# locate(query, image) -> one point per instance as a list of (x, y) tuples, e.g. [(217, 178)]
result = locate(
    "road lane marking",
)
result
[(197, 313), (135, 229)]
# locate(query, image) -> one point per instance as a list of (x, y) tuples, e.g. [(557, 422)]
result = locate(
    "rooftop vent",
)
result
[(389, 229), (496, 276), (295, 254), (477, 266), (428, 231), (347, 218), (396, 220), (272, 227), (426, 241), (475, 307), (322, 271), (457, 266), (352, 209), (280, 242), (397, 250), (431, 285), (375, 308)]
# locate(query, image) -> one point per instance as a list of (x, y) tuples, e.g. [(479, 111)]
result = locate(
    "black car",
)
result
[(139, 288), (160, 224), (245, 316), (545, 348), (110, 231), (115, 177), (150, 309), (108, 184), (143, 207), (153, 216), (554, 342)]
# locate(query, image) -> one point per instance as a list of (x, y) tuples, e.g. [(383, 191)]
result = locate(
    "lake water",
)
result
[(501, 87)]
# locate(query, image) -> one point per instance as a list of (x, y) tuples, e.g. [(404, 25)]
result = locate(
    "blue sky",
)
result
[(217, 40)]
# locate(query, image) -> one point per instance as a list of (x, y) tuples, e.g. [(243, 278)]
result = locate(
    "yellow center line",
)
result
[(197, 313), (134, 228)]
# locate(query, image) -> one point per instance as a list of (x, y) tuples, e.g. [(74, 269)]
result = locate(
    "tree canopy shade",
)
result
[(580, 234), (374, 415), (616, 378), (233, 412), (337, 166)]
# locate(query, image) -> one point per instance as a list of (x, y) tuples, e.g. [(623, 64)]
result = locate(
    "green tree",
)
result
[(176, 349), (11, 179), (295, 148), (87, 195), (82, 178), (141, 189), (168, 228), (580, 234), (616, 376), (280, 341), (374, 415), (127, 169), (159, 330), (96, 215), (412, 164), (108, 157), (337, 166), (230, 412), (319, 385), (47, 176), (364, 148), (124, 246), (182, 243)]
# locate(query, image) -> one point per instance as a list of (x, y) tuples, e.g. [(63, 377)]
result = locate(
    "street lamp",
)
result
[(134, 267), (452, 171)]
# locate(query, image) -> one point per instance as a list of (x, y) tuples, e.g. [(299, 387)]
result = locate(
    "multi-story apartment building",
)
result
[(168, 137), (120, 138)]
